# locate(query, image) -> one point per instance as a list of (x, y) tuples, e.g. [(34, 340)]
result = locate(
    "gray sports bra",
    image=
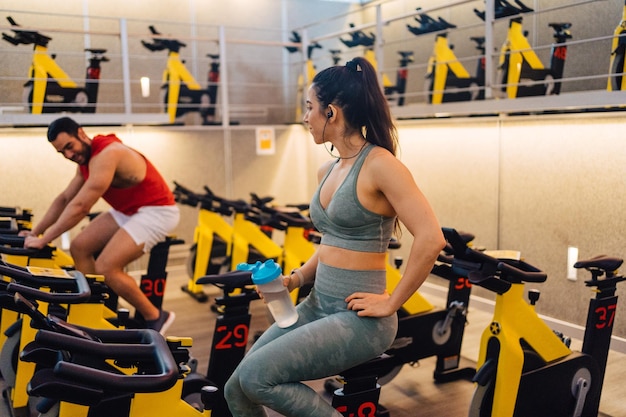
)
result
[(345, 223)]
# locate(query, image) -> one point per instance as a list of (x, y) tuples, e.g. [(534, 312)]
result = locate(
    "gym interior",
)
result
[(539, 174)]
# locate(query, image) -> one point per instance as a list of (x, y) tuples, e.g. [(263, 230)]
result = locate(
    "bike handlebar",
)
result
[(233, 279), (12, 240), (487, 271), (291, 218), (521, 271), (159, 44), (10, 244), (28, 283), (25, 36), (141, 344)]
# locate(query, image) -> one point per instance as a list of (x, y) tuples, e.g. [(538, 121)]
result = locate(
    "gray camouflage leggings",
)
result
[(326, 340)]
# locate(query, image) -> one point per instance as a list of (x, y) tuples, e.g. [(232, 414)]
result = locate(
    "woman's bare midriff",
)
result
[(349, 259)]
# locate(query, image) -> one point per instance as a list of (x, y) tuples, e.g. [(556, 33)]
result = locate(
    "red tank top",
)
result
[(152, 191)]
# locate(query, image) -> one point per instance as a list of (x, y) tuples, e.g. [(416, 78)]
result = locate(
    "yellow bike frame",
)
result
[(370, 56), (620, 30), (513, 320), (43, 66), (174, 73), (209, 224), (310, 74), (441, 61), (518, 49)]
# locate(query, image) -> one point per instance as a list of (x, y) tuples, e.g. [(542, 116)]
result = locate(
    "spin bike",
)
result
[(525, 368), (435, 332), (100, 310), (181, 92), (520, 70), (220, 244), (84, 372), (49, 88), (68, 288), (618, 51), (447, 80)]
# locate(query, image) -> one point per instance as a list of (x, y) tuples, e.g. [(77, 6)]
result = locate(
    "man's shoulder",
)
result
[(104, 140)]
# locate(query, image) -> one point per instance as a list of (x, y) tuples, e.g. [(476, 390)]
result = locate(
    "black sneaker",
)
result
[(161, 324)]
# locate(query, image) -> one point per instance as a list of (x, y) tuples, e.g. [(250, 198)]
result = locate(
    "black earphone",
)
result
[(329, 114)]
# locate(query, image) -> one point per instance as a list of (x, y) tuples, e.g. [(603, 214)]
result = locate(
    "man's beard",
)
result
[(85, 154)]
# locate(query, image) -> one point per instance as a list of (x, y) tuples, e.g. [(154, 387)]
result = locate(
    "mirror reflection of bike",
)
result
[(49, 89), (618, 50), (447, 80), (181, 93), (521, 71)]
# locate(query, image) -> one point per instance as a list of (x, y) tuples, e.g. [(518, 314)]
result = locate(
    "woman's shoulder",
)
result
[(381, 156), (324, 168)]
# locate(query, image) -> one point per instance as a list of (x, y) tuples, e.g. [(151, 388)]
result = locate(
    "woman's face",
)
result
[(313, 118)]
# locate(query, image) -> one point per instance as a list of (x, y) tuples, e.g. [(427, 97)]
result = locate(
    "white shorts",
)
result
[(150, 225)]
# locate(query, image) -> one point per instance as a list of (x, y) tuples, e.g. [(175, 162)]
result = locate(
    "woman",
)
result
[(348, 318)]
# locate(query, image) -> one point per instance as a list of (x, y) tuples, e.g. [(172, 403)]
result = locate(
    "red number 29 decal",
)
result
[(237, 337)]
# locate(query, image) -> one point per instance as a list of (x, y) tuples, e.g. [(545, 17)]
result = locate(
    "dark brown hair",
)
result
[(63, 124), (355, 88)]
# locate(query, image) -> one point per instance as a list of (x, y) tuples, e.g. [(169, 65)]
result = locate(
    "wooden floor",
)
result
[(411, 393)]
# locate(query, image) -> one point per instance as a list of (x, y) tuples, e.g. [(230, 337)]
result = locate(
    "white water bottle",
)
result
[(267, 277)]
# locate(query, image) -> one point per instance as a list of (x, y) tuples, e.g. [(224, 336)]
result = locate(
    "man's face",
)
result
[(73, 148)]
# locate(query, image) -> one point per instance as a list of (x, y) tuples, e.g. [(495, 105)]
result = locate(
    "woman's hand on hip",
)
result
[(370, 305)]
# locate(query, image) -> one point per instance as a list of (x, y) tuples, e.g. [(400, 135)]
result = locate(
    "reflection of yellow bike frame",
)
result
[(618, 52), (174, 73), (371, 58), (441, 61), (517, 50), (310, 74), (41, 67)]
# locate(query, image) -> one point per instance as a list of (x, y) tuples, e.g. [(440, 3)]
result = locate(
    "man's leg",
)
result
[(119, 252), (92, 240)]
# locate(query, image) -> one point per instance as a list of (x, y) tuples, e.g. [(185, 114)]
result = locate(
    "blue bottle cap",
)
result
[(262, 273)]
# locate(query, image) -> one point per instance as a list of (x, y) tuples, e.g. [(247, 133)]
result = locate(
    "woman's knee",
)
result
[(232, 389), (249, 382), (238, 387)]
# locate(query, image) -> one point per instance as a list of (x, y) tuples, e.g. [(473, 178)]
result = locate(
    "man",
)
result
[(143, 212)]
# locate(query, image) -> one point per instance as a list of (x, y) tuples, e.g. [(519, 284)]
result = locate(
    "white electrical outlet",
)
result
[(572, 258)]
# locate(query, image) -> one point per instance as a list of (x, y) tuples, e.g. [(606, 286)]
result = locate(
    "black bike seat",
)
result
[(603, 262)]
